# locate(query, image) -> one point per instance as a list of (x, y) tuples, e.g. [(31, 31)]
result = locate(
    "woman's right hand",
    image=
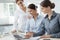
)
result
[(13, 31)]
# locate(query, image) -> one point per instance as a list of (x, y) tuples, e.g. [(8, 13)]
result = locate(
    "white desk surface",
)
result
[(10, 37)]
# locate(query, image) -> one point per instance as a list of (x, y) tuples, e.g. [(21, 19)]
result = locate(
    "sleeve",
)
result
[(27, 26), (41, 29), (57, 35), (15, 21)]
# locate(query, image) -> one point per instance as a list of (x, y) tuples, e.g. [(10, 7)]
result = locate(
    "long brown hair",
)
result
[(46, 3), (18, 0), (32, 6)]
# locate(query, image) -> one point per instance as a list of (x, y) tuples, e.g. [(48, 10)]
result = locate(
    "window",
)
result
[(9, 9)]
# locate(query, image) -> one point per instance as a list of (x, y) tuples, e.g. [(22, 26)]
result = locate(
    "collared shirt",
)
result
[(20, 20), (33, 25), (52, 26)]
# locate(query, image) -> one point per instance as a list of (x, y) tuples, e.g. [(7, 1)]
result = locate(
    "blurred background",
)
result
[(8, 7)]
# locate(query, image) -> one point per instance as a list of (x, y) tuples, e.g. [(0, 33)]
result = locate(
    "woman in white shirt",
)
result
[(20, 17)]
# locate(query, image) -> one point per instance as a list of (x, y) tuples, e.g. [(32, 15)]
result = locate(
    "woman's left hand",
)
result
[(45, 36)]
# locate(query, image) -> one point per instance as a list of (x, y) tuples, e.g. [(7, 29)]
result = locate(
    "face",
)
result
[(45, 9), (31, 11), (20, 3)]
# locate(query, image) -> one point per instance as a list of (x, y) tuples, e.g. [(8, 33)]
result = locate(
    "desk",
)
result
[(50, 39), (10, 37)]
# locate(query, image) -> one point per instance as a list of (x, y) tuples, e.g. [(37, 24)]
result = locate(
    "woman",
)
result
[(34, 22), (20, 17), (51, 23)]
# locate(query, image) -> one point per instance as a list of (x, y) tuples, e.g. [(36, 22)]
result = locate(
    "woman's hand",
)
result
[(28, 35), (45, 36), (13, 31)]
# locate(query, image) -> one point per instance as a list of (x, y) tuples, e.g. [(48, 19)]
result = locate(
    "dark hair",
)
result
[(46, 3), (18, 0), (32, 6)]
